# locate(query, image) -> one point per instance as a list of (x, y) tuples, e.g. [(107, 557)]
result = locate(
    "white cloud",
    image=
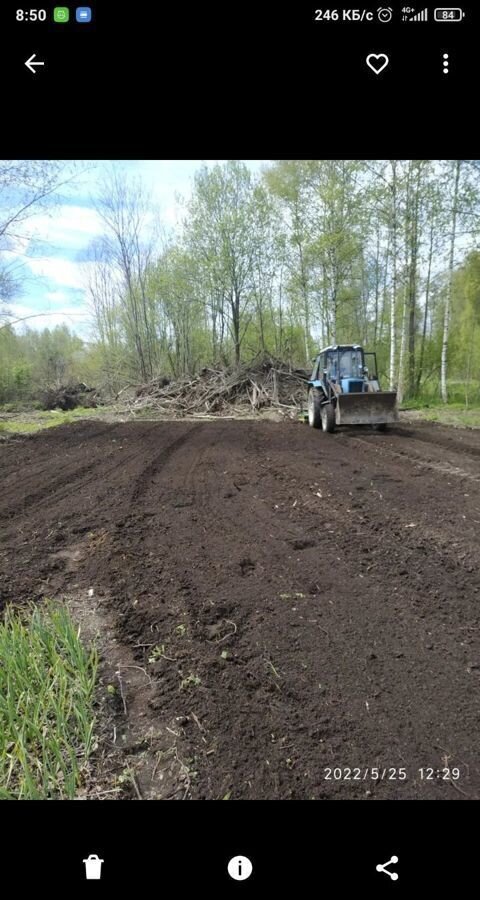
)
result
[(68, 227), (69, 315), (59, 271), (57, 279)]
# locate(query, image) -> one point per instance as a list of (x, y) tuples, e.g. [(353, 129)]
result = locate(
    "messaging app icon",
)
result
[(61, 14), (84, 14)]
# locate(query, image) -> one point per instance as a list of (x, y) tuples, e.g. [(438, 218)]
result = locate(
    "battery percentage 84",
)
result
[(448, 14)]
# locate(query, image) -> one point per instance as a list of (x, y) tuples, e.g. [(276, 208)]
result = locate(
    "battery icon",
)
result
[(448, 14)]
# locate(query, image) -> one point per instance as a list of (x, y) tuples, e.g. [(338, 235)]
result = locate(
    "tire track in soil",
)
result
[(255, 663), (369, 567), (70, 472), (148, 742), (166, 599), (463, 441), (53, 523), (182, 589), (55, 490), (445, 468), (328, 733), (150, 614), (261, 663), (356, 636), (428, 590), (41, 444), (224, 610), (154, 467)]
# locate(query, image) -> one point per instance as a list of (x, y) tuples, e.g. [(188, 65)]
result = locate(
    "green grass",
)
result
[(461, 411), (47, 681), (451, 414), (37, 421), (19, 427)]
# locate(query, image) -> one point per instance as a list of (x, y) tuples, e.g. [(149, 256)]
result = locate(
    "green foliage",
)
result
[(465, 332), (35, 360), (307, 253), (47, 681)]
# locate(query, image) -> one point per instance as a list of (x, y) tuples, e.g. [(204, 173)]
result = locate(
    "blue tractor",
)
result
[(344, 389)]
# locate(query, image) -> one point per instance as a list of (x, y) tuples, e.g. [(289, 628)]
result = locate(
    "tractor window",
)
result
[(371, 362), (351, 364), (331, 364)]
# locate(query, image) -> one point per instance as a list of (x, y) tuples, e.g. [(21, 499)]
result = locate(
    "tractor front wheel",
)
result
[(314, 409), (328, 417)]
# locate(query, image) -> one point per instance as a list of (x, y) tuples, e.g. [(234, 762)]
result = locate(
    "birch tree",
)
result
[(125, 209), (456, 169), (222, 230)]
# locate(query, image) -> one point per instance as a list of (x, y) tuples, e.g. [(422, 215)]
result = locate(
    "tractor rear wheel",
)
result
[(328, 417), (314, 409)]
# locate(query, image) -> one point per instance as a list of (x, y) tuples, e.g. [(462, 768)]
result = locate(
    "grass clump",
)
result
[(190, 681), (47, 681), (32, 421), (22, 427)]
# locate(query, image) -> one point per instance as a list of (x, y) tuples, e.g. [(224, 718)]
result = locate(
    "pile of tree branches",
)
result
[(69, 397), (265, 382)]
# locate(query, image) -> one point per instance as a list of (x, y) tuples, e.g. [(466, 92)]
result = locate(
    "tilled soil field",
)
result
[(297, 613)]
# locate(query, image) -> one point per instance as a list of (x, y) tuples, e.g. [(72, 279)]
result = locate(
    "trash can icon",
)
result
[(93, 867)]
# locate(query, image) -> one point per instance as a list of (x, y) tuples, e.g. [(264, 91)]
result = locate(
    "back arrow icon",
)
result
[(30, 64)]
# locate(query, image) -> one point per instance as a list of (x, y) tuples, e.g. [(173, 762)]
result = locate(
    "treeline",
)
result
[(34, 361), (306, 253)]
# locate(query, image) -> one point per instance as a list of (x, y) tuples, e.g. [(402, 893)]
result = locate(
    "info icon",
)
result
[(240, 868)]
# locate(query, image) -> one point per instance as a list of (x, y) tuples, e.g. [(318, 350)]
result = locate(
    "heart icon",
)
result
[(377, 62)]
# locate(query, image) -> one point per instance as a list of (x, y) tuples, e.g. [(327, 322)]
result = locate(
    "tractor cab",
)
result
[(344, 366)]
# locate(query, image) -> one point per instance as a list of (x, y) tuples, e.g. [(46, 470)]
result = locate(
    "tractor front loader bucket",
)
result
[(369, 408)]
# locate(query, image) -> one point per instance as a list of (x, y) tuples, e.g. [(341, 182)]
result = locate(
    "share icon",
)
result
[(383, 868)]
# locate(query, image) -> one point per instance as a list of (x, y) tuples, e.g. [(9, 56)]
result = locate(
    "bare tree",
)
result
[(126, 210), (27, 187)]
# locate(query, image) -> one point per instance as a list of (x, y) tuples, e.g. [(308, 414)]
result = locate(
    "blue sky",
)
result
[(51, 246)]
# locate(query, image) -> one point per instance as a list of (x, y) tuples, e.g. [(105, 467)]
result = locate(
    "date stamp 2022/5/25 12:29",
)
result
[(391, 773)]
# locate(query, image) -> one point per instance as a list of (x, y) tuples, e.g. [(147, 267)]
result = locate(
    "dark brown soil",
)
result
[(310, 601)]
